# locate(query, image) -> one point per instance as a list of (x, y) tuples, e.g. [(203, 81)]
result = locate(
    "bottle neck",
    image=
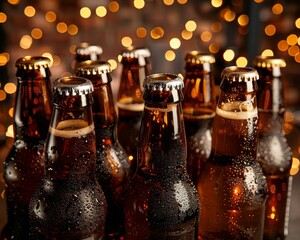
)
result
[(270, 100), (131, 84), (162, 143), (199, 98), (105, 117), (235, 126), (270, 93), (71, 144), (33, 109)]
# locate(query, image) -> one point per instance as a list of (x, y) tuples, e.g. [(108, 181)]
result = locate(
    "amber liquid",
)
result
[(198, 135), (128, 133), (232, 187), (277, 207), (69, 203)]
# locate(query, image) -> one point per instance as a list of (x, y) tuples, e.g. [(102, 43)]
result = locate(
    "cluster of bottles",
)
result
[(168, 161)]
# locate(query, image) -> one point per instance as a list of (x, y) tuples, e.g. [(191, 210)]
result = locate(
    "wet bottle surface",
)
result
[(112, 161), (162, 202), (130, 103), (198, 110), (232, 187), (85, 52), (69, 203), (274, 153), (24, 166)]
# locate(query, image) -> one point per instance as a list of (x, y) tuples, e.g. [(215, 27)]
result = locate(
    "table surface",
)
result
[(294, 218)]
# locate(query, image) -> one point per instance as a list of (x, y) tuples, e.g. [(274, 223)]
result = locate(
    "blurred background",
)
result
[(234, 31)]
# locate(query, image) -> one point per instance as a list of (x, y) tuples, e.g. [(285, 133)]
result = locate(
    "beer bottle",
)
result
[(274, 153), (86, 52), (112, 162), (232, 187), (24, 165), (198, 110), (162, 202), (69, 202), (130, 103)]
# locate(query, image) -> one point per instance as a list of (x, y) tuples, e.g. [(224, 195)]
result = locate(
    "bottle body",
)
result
[(24, 165), (198, 110), (232, 187), (161, 202), (135, 67), (274, 154), (112, 168), (69, 202)]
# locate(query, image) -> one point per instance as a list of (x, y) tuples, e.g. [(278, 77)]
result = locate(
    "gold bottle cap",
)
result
[(239, 74), (33, 62), (163, 82), (72, 86), (269, 62), (133, 52), (93, 67), (199, 58)]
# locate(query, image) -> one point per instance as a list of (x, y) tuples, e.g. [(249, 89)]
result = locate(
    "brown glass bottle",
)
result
[(199, 107), (130, 103), (112, 161), (24, 166), (162, 202), (86, 52), (274, 153), (69, 203), (232, 187)]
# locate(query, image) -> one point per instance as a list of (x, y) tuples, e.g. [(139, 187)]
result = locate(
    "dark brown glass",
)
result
[(162, 202), (69, 203), (199, 106), (24, 165), (274, 153), (135, 67), (112, 161), (85, 52), (232, 187)]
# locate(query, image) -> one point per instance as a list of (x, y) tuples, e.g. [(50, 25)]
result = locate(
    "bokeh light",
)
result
[(29, 11), (228, 55), (3, 17), (50, 16), (175, 43), (126, 41), (157, 33), (277, 9), (72, 29), (292, 39), (85, 12), (216, 3), (26, 42), (113, 6), (101, 11), (243, 20), (36, 33), (270, 30), (139, 4), (283, 45), (10, 88), (206, 36), (113, 64), (62, 27), (190, 25), (168, 2), (241, 62), (141, 32), (186, 35), (170, 55), (267, 52)]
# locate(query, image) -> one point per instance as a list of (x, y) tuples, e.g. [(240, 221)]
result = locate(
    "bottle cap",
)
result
[(163, 82), (269, 62), (90, 67), (33, 62), (239, 74), (72, 86), (133, 52), (199, 58), (89, 50)]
